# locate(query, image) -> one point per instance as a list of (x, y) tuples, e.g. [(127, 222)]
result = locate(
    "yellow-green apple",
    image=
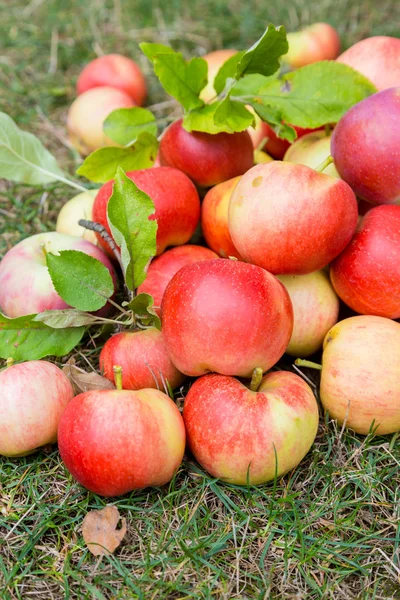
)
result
[(276, 146), (225, 316), (207, 159), (378, 58), (79, 207), (319, 41), (175, 198), (163, 268), (116, 441), (312, 150), (87, 114), (290, 219), (214, 218), (117, 71), (365, 147), (143, 358), (33, 397), (261, 157), (250, 436), (315, 309), (214, 60), (366, 275), (25, 284)]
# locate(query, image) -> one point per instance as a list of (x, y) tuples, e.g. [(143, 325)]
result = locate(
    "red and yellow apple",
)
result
[(319, 41), (79, 207)]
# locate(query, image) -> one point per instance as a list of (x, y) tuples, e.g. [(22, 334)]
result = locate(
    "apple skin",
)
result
[(377, 58), (315, 309), (117, 71), (365, 147), (319, 41), (25, 284), (360, 377), (225, 316), (275, 207), (143, 357), (366, 276), (87, 114), (214, 218), (163, 268), (79, 207), (116, 441), (33, 397), (312, 150), (275, 146), (214, 60), (234, 432), (207, 159), (175, 198)]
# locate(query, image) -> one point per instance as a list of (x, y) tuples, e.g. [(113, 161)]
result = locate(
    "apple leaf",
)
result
[(202, 119), (25, 339), (142, 306), (82, 281), (227, 71), (263, 56), (233, 115), (274, 118), (151, 50), (124, 125), (67, 317), (82, 381), (128, 213)]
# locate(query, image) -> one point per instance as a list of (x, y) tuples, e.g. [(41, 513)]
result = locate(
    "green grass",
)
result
[(329, 529)]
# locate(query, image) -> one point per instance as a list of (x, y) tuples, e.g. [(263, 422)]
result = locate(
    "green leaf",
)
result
[(102, 164), (251, 84), (128, 213), (202, 119), (263, 56), (67, 317), (142, 307), (82, 281), (151, 50), (124, 125), (227, 71), (234, 116), (25, 339), (274, 118)]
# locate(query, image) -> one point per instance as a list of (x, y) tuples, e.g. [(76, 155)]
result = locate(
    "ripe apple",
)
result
[(87, 114), (319, 41), (312, 150), (367, 273), (315, 309), (79, 207), (276, 146), (214, 218), (117, 71), (378, 58), (25, 284), (163, 268), (261, 157), (143, 358), (243, 435), (207, 159), (289, 219), (225, 316), (214, 60), (366, 149), (175, 198), (33, 397)]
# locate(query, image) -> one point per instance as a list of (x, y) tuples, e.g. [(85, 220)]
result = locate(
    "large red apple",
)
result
[(319, 41), (225, 316), (289, 219), (33, 396), (367, 273), (250, 436)]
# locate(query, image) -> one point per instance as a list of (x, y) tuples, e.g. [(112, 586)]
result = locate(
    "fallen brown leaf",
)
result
[(99, 530), (82, 381)]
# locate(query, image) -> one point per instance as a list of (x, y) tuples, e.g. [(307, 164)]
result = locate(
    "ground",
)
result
[(329, 529)]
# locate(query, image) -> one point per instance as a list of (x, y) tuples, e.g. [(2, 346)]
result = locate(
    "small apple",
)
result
[(319, 41), (276, 146), (79, 207), (312, 150)]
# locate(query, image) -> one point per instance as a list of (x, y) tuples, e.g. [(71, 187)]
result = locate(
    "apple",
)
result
[(163, 268), (207, 159), (261, 157), (378, 58), (175, 198), (33, 397), (319, 41), (367, 273), (214, 218), (250, 436), (25, 284), (276, 146), (365, 147), (79, 207), (315, 309), (312, 150), (289, 219), (225, 316), (87, 114), (116, 441), (117, 71), (214, 60)]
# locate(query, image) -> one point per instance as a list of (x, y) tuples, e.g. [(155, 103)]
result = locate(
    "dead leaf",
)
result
[(99, 530), (82, 381)]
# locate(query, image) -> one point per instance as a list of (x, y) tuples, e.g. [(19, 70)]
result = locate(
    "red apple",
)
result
[(367, 273), (207, 159), (33, 397), (366, 148), (214, 60), (25, 284), (117, 71), (289, 219), (175, 198), (225, 316), (163, 268), (378, 58), (79, 207), (319, 41), (312, 150), (246, 436)]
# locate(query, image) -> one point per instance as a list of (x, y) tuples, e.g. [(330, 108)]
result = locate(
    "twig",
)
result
[(102, 231)]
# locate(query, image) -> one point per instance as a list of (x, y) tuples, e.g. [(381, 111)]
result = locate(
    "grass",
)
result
[(329, 529)]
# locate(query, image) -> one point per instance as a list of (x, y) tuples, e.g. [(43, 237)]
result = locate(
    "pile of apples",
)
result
[(284, 244)]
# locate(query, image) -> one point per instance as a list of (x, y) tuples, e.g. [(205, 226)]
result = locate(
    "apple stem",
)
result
[(118, 376), (300, 362), (256, 379), (328, 161), (9, 362)]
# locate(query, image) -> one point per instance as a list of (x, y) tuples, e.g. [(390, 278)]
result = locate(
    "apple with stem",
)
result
[(79, 207), (312, 150)]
